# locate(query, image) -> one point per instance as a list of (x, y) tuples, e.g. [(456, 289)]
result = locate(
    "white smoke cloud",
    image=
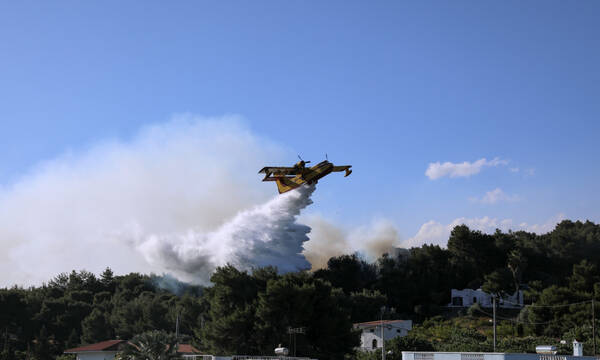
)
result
[(495, 196), (465, 169), (433, 232), (328, 239), (186, 177)]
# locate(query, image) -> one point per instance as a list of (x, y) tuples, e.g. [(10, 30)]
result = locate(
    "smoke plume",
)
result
[(328, 240), (113, 203), (181, 197)]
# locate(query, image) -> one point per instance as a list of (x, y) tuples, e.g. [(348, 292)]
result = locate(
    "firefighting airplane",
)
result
[(289, 178)]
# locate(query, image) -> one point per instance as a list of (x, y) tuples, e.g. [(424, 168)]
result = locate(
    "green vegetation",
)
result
[(151, 345), (249, 313)]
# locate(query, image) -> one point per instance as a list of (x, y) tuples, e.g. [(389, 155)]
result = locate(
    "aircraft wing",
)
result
[(278, 170), (341, 167)]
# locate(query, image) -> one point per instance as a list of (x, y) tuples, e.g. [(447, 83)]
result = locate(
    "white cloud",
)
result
[(544, 227), (514, 170), (465, 169), (433, 232), (495, 196)]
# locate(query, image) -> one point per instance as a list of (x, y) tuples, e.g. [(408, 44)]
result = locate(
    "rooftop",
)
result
[(114, 345), (187, 349), (108, 345), (379, 322)]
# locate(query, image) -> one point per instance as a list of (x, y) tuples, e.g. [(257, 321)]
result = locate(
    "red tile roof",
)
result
[(187, 349), (108, 345), (378, 322), (113, 345)]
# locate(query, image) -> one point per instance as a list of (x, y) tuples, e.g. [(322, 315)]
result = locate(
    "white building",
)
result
[(468, 297), (419, 355), (370, 337)]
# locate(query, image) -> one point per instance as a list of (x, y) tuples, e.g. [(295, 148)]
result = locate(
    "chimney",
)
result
[(577, 348)]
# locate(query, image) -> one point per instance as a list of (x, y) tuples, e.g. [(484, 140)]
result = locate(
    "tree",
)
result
[(42, 349), (348, 272), (407, 343), (366, 305), (516, 264), (96, 328), (498, 282), (229, 327), (297, 300), (107, 280), (73, 340), (151, 345), (558, 310), (473, 254), (584, 276)]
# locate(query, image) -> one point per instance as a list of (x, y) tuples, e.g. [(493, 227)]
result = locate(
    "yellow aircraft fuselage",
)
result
[(291, 178)]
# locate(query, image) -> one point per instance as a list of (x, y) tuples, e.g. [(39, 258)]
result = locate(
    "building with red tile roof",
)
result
[(106, 350), (187, 349)]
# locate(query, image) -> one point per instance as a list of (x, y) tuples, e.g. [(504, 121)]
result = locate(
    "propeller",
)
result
[(306, 162)]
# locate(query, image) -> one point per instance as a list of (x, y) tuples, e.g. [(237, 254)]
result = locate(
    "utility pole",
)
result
[(494, 312), (177, 328), (594, 323), (294, 331), (383, 309), (382, 338), (177, 331)]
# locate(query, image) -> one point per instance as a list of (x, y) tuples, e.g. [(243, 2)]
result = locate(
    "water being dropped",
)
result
[(267, 234)]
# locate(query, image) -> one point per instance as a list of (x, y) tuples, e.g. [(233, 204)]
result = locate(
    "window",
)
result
[(399, 331), (374, 344), (474, 300), (372, 330), (457, 301)]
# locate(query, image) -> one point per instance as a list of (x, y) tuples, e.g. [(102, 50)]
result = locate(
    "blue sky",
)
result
[(389, 87)]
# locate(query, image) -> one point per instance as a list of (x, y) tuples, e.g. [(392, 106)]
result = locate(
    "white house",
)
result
[(468, 297), (370, 337)]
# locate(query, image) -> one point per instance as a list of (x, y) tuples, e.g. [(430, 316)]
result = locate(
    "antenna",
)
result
[(326, 158), (300, 158)]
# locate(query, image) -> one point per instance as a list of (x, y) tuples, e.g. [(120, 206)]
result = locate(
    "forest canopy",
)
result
[(249, 312)]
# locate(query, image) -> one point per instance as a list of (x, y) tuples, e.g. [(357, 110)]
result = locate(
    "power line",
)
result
[(547, 306), (517, 320)]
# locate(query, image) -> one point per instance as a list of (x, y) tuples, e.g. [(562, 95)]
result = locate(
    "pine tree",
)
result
[(95, 328)]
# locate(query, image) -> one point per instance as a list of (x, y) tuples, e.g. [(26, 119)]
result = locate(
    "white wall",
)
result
[(390, 331), (421, 355), (97, 355), (484, 299)]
